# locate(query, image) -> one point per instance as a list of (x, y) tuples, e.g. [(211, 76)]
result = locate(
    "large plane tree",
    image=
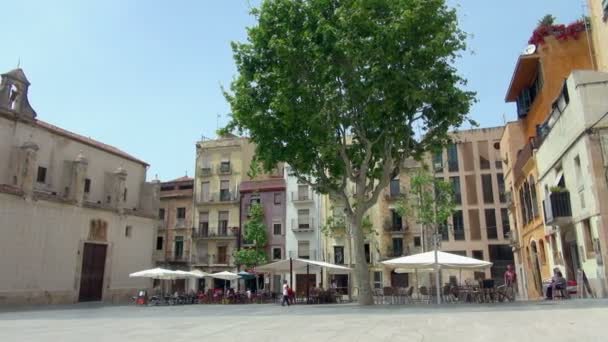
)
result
[(345, 90)]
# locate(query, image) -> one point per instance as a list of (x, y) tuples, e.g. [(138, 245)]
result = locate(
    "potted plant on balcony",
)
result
[(557, 189)]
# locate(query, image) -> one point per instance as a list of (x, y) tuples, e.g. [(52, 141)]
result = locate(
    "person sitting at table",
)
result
[(558, 282)]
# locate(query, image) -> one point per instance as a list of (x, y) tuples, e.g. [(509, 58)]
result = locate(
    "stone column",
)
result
[(27, 171), (79, 175)]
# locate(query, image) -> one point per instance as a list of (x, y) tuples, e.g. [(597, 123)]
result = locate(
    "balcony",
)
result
[(214, 260), (224, 196), (206, 171), (459, 234), (394, 194), (180, 223), (393, 253), (222, 233), (303, 224), (395, 227), (224, 169), (522, 158), (302, 196), (184, 258), (557, 208)]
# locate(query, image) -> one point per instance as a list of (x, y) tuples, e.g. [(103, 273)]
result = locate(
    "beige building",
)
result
[(77, 214), (221, 165), (174, 234), (599, 31)]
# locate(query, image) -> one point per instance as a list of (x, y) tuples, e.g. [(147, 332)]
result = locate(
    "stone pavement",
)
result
[(535, 321)]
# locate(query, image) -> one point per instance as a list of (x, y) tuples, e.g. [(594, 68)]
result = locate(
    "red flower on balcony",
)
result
[(560, 32)]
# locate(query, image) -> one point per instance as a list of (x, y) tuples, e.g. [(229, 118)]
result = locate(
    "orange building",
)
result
[(537, 80)]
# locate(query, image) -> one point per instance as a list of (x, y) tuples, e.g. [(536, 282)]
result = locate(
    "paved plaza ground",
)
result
[(538, 322)]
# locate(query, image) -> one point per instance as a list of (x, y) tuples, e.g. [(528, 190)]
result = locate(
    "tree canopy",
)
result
[(345, 90)]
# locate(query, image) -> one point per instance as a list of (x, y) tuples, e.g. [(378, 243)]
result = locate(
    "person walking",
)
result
[(285, 293)]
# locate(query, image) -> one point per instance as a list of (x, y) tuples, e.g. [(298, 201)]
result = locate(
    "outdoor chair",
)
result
[(447, 294), (378, 296), (388, 295), (424, 294)]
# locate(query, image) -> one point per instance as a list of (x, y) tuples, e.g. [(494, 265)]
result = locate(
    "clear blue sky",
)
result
[(145, 75)]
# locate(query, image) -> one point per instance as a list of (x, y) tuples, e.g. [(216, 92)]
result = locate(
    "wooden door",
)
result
[(91, 276)]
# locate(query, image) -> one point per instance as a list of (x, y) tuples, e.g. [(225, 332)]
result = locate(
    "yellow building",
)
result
[(537, 80)]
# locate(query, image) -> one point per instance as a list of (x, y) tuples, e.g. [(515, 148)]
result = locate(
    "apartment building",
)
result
[(572, 160), (480, 226), (221, 165), (77, 215), (303, 231), (537, 80), (174, 233), (270, 194)]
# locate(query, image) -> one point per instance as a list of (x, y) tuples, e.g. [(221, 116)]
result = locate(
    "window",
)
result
[(276, 254), (491, 224), (458, 224), (588, 239), (501, 188), (484, 155), (304, 219), (478, 255), (368, 255), (124, 195), (161, 214), (87, 185), (167, 188), (377, 280), (303, 192), (181, 213), (185, 187), (444, 231), (452, 158), (255, 199), (222, 254), (304, 249), (277, 198), (159, 243), (224, 190), (506, 226), (456, 189), (497, 156), (222, 225), (528, 95), (397, 247), (205, 192), (203, 223), (41, 177), (438, 161), (395, 188), (417, 241), (339, 255), (179, 247), (533, 200), (128, 231), (277, 229), (225, 166), (397, 222), (486, 185)]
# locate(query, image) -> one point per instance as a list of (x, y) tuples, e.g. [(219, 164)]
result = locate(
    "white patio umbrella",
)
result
[(444, 260), (288, 265), (199, 274), (225, 275), (155, 273), (438, 260)]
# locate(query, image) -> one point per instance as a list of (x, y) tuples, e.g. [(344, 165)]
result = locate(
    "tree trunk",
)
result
[(365, 296)]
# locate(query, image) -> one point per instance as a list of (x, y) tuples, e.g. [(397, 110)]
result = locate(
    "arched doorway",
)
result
[(538, 283)]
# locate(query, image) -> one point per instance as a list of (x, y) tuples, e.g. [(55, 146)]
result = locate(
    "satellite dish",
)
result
[(530, 49)]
